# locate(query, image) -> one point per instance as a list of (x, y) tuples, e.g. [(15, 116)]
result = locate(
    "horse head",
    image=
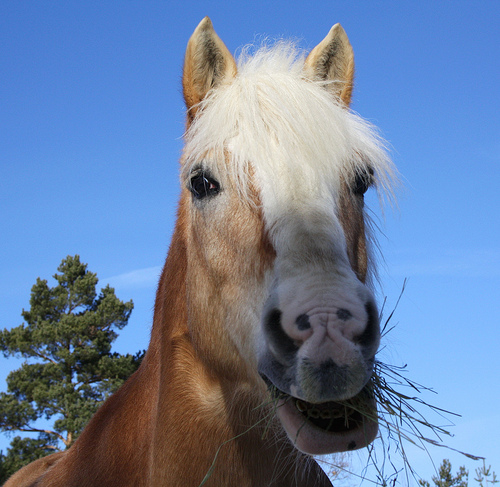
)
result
[(276, 166)]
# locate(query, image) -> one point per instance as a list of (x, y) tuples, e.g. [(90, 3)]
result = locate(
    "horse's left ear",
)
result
[(333, 60), (207, 64)]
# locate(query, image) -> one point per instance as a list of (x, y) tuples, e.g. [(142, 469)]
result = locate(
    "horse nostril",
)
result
[(303, 322), (274, 318), (371, 332), (277, 336)]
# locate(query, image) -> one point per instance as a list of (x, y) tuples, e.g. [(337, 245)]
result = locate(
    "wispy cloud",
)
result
[(139, 278)]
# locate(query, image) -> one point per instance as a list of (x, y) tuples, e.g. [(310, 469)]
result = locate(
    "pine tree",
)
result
[(446, 479), (69, 368), (485, 476)]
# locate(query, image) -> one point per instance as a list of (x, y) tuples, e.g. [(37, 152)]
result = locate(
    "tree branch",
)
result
[(44, 357), (29, 429)]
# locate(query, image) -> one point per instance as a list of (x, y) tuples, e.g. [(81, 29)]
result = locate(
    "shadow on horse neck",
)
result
[(265, 325)]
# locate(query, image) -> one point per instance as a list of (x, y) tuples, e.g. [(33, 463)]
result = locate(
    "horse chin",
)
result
[(329, 427)]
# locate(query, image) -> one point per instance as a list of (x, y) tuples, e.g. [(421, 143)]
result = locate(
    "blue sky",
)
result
[(91, 119)]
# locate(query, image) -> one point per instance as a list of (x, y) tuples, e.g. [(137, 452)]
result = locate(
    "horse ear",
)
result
[(333, 60), (207, 64)]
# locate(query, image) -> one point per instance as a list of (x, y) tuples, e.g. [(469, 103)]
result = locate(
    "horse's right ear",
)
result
[(207, 64)]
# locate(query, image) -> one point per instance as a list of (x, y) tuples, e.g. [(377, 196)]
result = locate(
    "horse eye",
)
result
[(362, 182), (202, 184)]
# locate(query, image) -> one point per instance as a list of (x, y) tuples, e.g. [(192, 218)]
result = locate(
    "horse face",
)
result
[(277, 175)]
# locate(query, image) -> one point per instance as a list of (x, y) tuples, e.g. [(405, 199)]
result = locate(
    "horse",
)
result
[(265, 325)]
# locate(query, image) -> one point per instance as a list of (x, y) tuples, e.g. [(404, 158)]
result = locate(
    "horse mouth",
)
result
[(329, 427)]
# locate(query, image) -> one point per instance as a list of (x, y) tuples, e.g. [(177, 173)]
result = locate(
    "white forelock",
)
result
[(284, 125)]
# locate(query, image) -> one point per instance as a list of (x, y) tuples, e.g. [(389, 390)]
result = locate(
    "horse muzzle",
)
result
[(317, 355)]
